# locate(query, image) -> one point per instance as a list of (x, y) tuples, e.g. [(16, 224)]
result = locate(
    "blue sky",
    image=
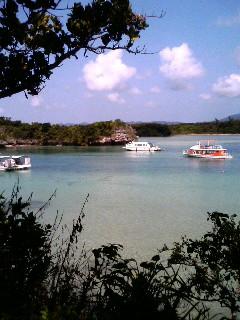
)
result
[(193, 75)]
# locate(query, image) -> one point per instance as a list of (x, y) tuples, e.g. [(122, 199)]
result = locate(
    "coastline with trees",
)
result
[(116, 132)]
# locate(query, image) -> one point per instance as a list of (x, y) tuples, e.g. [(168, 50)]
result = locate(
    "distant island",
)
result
[(14, 133)]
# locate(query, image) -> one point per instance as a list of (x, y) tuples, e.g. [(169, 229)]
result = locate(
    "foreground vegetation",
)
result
[(48, 274)]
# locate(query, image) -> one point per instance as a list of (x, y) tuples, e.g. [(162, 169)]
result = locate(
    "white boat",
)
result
[(11, 163), (207, 150), (141, 146), (3, 162)]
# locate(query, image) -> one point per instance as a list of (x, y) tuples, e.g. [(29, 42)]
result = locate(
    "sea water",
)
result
[(138, 199)]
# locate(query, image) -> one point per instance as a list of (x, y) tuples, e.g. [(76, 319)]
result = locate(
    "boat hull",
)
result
[(15, 168), (206, 156), (142, 149)]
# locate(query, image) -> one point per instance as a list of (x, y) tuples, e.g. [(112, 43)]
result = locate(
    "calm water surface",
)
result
[(140, 200)]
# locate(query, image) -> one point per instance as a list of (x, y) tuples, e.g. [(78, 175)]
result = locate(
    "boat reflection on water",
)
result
[(139, 154), (203, 164)]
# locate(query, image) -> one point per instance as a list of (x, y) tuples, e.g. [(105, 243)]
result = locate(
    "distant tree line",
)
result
[(231, 126), (17, 132), (152, 130)]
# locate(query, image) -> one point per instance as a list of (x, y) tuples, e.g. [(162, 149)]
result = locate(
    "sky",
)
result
[(191, 75)]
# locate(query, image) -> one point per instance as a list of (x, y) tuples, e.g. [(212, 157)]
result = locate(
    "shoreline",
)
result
[(208, 134), (9, 146)]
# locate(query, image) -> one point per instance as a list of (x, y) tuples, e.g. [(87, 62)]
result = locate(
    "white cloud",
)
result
[(115, 97), (205, 96), (107, 72), (1, 110), (36, 101), (135, 91), (179, 64), (228, 86), (155, 89)]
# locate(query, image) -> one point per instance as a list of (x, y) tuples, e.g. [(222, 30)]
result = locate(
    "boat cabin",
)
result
[(10, 163)]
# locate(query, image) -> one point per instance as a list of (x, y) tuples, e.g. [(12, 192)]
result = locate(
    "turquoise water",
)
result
[(141, 200)]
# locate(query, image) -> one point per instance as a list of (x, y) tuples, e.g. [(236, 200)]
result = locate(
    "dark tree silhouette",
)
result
[(36, 36), (213, 262), (25, 258)]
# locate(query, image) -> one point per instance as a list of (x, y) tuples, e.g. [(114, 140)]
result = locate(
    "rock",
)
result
[(120, 136), (3, 143)]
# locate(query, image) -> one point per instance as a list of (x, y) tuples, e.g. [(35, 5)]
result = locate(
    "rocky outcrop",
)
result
[(3, 143), (120, 136)]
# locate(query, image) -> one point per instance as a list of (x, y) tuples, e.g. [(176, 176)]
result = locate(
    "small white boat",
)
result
[(141, 146), (207, 150), (11, 163), (3, 162)]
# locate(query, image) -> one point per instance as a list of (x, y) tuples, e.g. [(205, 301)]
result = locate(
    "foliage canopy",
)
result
[(36, 36), (213, 262)]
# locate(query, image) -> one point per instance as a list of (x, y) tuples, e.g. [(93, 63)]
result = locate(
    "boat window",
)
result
[(19, 161)]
